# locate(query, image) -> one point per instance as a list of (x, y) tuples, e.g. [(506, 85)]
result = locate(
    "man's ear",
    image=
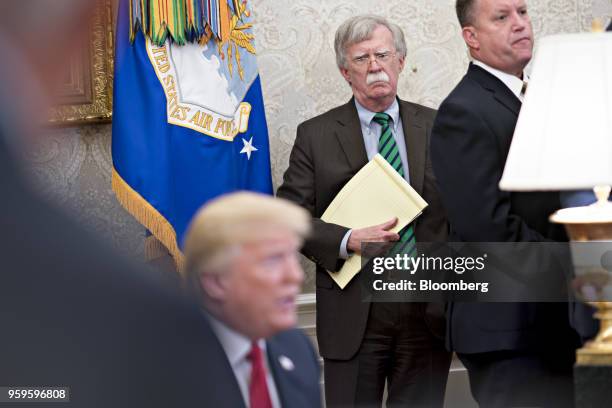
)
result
[(402, 62), (470, 36), (346, 75), (214, 285)]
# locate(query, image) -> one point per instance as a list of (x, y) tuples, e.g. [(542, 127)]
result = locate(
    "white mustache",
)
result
[(380, 76)]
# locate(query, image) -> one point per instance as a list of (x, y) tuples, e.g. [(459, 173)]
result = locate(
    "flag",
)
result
[(188, 116)]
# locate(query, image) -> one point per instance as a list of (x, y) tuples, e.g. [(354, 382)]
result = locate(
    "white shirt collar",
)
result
[(235, 345), (514, 83), (366, 116)]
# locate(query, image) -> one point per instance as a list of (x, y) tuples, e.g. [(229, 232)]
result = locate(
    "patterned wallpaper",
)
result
[(300, 80)]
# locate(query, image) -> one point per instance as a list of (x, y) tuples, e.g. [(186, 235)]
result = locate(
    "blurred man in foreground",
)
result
[(242, 260), (73, 312)]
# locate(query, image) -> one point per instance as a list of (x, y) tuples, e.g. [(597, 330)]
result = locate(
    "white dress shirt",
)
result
[(370, 131), (237, 348), (514, 83)]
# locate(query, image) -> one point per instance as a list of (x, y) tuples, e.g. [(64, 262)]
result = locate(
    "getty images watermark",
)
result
[(412, 264), (484, 272)]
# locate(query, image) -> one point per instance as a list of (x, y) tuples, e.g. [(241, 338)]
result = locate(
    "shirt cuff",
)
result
[(343, 249)]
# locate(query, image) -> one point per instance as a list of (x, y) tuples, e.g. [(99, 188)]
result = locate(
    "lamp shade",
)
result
[(563, 137)]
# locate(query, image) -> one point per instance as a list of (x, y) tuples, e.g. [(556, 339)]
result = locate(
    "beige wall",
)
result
[(300, 80)]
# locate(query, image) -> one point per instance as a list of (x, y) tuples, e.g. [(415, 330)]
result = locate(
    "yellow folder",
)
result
[(374, 195)]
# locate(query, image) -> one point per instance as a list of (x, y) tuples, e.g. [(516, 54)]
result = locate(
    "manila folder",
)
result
[(374, 195)]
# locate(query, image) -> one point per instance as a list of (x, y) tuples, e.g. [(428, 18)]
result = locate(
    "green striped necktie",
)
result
[(387, 147)]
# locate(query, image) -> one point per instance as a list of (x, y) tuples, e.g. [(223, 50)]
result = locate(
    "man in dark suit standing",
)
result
[(242, 260), (363, 344), (517, 354)]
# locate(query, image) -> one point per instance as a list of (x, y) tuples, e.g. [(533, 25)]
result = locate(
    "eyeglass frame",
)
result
[(381, 57)]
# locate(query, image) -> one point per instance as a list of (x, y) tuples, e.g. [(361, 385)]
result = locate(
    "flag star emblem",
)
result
[(248, 148)]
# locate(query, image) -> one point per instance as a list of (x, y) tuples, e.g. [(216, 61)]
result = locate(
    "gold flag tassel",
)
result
[(148, 216)]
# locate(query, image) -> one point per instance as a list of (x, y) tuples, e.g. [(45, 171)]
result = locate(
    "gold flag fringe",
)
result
[(148, 216), (154, 249)]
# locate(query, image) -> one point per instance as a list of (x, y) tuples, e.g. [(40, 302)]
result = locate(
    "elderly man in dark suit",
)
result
[(242, 257), (365, 344), (517, 354)]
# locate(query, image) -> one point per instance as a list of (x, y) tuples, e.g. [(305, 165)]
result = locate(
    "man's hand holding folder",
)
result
[(376, 203), (376, 233)]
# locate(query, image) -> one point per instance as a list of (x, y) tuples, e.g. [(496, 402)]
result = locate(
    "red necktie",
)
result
[(258, 389)]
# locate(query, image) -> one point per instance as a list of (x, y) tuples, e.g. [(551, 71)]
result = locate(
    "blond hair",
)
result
[(221, 226)]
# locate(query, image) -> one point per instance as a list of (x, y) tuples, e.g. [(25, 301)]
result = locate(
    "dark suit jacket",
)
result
[(75, 314), (328, 151), (469, 145), (296, 388), (299, 387)]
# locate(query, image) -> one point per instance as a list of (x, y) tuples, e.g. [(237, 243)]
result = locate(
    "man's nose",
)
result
[(373, 64), (519, 22)]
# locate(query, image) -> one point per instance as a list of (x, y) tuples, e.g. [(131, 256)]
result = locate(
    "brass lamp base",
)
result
[(593, 223), (599, 350)]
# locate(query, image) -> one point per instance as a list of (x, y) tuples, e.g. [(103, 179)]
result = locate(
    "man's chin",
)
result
[(286, 323), (524, 59), (380, 91), (523, 53)]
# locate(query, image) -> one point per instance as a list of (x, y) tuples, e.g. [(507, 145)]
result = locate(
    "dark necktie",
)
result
[(259, 396), (387, 147)]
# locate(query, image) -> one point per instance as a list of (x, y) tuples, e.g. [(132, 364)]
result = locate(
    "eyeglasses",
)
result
[(380, 57)]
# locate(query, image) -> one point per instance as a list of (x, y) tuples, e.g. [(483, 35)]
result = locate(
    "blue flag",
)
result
[(188, 124)]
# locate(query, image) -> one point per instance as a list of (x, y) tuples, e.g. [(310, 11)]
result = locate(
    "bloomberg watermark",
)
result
[(486, 272)]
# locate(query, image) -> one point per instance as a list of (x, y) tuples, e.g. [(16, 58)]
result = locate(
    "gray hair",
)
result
[(360, 28)]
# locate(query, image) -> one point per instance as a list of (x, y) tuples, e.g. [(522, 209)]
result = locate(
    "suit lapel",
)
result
[(508, 100), (284, 387), (350, 137), (229, 392), (348, 132), (415, 137), (500, 91)]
